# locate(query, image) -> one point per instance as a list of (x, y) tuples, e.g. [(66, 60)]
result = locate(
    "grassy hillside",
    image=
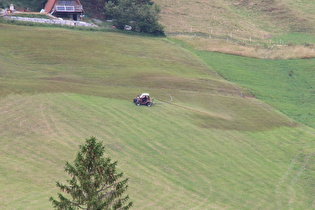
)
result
[(243, 27), (243, 18), (201, 146), (287, 85)]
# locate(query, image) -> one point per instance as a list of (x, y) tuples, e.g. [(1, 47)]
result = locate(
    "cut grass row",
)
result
[(171, 161), (209, 148)]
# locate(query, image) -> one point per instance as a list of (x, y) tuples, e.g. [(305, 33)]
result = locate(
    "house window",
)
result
[(70, 9), (66, 3), (60, 8)]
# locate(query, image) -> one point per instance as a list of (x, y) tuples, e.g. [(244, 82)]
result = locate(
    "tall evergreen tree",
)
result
[(94, 183)]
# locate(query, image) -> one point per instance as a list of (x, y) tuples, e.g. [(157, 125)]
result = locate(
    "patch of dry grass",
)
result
[(216, 18), (245, 21), (248, 50), (242, 18)]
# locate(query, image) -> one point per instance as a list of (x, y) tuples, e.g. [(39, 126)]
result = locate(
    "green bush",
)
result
[(142, 17)]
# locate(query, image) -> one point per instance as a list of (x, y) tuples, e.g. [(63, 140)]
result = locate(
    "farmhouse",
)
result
[(64, 8)]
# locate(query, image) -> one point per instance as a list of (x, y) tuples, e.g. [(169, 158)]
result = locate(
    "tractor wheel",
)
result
[(149, 104), (138, 104)]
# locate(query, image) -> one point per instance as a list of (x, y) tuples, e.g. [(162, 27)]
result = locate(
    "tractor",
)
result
[(143, 99)]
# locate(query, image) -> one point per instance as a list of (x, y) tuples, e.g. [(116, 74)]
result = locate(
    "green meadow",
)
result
[(203, 145), (295, 38), (287, 85)]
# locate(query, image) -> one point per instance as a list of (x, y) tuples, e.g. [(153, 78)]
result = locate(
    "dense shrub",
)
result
[(142, 16)]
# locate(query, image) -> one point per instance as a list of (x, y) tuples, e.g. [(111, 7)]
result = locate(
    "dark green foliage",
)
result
[(141, 15), (33, 5), (4, 4), (94, 8), (94, 182)]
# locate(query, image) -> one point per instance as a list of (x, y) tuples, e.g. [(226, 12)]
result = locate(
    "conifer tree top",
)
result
[(94, 184)]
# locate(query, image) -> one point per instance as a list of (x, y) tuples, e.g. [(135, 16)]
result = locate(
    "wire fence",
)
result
[(229, 38)]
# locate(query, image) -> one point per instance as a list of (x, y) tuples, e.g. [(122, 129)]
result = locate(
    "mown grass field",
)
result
[(202, 146)]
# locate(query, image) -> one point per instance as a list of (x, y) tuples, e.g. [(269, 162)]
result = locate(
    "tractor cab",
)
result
[(143, 99)]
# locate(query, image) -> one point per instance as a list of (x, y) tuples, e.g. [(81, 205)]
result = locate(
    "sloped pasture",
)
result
[(205, 144)]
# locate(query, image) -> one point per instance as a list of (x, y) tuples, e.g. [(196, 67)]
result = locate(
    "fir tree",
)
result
[(94, 183)]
